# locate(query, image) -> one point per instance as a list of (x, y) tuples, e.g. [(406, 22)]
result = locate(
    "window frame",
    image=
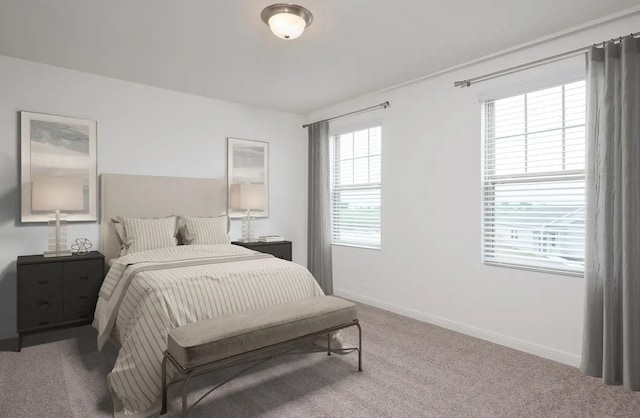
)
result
[(490, 181), (334, 172)]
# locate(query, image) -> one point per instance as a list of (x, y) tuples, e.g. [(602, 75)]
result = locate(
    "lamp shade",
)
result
[(248, 196), (50, 193), (287, 26)]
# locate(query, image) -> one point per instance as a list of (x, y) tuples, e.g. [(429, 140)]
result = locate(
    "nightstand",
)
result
[(280, 249), (57, 291)]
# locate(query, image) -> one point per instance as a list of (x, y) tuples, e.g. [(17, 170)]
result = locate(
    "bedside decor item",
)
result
[(270, 238), (248, 163), (55, 194), (287, 21), (58, 146), (81, 246), (247, 197)]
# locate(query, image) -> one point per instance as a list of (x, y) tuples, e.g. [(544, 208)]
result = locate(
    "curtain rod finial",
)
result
[(463, 83)]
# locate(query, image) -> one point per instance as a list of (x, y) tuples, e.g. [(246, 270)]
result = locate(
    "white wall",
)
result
[(430, 265), (141, 130)]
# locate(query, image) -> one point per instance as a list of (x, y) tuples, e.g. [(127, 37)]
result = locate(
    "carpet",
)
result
[(411, 369)]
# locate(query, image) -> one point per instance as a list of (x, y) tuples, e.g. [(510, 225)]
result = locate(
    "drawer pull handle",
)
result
[(84, 277), (43, 282), (84, 297), (43, 323), (42, 303)]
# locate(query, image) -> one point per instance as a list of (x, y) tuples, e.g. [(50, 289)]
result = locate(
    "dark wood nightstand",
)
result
[(57, 291), (280, 249)]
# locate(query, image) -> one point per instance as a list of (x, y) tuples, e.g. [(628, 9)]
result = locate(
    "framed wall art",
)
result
[(58, 150), (248, 177)]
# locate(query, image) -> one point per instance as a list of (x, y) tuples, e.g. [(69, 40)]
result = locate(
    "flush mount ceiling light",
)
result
[(286, 20)]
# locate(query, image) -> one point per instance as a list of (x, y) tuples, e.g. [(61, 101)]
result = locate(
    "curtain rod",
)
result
[(366, 109), (532, 64)]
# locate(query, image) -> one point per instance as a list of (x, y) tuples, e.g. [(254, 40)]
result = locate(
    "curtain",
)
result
[(319, 219), (611, 342)]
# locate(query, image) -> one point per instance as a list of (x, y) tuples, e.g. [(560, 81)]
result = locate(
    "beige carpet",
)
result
[(411, 369)]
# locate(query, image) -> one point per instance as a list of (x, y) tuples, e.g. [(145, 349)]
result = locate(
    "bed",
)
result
[(147, 293)]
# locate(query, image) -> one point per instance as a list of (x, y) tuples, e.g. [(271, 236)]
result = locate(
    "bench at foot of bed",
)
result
[(213, 344)]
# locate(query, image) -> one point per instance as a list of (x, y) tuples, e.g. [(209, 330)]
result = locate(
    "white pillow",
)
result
[(204, 231), (142, 234)]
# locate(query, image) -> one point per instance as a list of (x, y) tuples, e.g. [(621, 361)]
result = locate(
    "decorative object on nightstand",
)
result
[(280, 249), (247, 197), (57, 291), (55, 194), (270, 238), (81, 246)]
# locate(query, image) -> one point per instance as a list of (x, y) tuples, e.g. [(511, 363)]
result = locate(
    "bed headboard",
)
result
[(151, 197)]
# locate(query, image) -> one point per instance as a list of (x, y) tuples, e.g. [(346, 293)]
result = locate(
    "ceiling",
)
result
[(221, 48)]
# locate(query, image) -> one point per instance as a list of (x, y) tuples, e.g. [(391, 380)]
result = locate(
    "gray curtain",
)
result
[(611, 344), (319, 219)]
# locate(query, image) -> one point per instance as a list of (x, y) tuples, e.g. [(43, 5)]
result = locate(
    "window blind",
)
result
[(356, 187), (534, 179)]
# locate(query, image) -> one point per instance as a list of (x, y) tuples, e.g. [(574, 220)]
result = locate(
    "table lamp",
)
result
[(248, 197), (55, 194)]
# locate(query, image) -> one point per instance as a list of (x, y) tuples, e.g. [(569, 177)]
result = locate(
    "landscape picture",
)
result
[(57, 146), (248, 162)]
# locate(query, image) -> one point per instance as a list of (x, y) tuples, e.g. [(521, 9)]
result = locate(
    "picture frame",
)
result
[(247, 162), (58, 146)]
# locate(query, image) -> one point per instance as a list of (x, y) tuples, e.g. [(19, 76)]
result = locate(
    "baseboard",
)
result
[(9, 344), (8, 333), (515, 343)]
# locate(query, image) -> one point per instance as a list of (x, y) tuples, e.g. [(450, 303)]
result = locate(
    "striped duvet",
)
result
[(148, 293)]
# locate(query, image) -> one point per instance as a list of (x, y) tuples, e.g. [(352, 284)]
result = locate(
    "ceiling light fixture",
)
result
[(286, 20)]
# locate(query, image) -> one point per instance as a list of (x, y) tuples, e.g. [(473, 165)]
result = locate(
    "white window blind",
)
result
[(534, 179), (355, 187)]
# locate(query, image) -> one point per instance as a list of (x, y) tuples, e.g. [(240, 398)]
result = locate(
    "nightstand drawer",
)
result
[(40, 316), (83, 271), (81, 289), (40, 274), (81, 308), (39, 295)]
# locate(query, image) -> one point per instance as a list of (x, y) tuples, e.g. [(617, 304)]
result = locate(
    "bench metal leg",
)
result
[(359, 346), (184, 395), (328, 343), (164, 386)]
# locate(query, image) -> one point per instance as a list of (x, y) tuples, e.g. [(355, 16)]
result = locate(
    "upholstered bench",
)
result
[(217, 343)]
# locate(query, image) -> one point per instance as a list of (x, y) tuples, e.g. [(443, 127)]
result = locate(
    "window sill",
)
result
[(364, 247), (535, 269)]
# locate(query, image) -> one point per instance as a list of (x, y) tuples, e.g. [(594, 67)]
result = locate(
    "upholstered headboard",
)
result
[(151, 197)]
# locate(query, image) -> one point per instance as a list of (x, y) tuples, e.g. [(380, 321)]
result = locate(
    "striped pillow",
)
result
[(122, 238), (205, 231), (149, 233)]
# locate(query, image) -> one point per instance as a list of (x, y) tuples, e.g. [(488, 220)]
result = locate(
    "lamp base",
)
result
[(61, 253), (57, 236), (247, 233)]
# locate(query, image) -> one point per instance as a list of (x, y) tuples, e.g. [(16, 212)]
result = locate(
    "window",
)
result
[(355, 188), (534, 179)]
